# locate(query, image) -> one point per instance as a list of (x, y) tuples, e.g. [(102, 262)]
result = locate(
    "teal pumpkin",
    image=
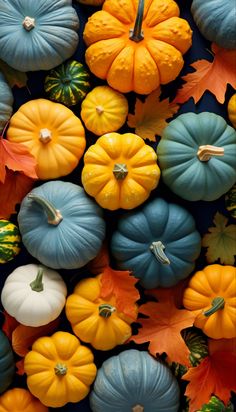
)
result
[(197, 156), (216, 21), (7, 363), (68, 83), (134, 381), (60, 225), (37, 35), (6, 102), (230, 201), (158, 243)]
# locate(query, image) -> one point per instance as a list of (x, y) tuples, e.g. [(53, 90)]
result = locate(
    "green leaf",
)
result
[(13, 76)]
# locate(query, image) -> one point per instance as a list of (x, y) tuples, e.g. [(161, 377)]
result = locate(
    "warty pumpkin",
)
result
[(20, 400), (137, 45)]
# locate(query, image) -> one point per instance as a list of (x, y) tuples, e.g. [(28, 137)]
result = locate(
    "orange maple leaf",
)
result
[(9, 324), (122, 285), (213, 76), (12, 191), (162, 329), (20, 367), (173, 294)]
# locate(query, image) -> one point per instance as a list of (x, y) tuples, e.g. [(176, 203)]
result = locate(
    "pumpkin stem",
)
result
[(54, 215), (28, 23), (60, 369), (136, 33), (106, 310), (157, 248), (45, 135), (99, 109), (206, 151), (37, 284), (120, 171), (66, 80), (137, 408), (216, 304)]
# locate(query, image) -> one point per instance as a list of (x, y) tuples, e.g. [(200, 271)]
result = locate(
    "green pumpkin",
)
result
[(230, 201), (6, 102), (9, 241), (216, 405), (7, 364), (68, 83)]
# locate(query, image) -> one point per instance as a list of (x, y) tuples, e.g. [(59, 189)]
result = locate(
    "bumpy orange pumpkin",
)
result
[(20, 400), (137, 45)]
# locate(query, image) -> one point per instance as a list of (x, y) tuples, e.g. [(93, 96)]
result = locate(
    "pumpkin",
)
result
[(197, 156), (211, 293), (136, 46), (60, 225), (34, 295), (134, 381), (59, 369), (216, 405), (20, 400), (158, 243), (53, 134), (216, 21), (67, 83), (7, 363), (104, 110), (95, 320), (230, 201), (120, 171), (37, 35), (232, 109), (6, 102), (10, 241)]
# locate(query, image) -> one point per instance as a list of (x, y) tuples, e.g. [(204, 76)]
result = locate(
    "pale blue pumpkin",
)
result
[(158, 243), (37, 34), (7, 363), (197, 156), (134, 381), (216, 20), (6, 101), (60, 225)]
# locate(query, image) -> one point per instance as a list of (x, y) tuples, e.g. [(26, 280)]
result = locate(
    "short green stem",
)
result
[(54, 216), (37, 284), (136, 33), (66, 80), (120, 171), (157, 248), (106, 310), (216, 304), (60, 369)]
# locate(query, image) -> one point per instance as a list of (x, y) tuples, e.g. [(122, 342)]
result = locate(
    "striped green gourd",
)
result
[(230, 201), (10, 241), (67, 83), (216, 405)]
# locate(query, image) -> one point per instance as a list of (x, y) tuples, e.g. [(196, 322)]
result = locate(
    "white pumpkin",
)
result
[(34, 295)]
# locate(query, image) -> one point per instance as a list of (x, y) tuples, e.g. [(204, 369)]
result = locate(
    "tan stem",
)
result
[(205, 152), (138, 408), (45, 135), (120, 171), (28, 23), (99, 110)]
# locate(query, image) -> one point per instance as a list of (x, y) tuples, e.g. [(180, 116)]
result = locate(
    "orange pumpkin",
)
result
[(137, 45), (20, 400)]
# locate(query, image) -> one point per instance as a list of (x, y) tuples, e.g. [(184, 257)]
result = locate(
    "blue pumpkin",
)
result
[(7, 364), (60, 225), (5, 102), (158, 243), (134, 381)]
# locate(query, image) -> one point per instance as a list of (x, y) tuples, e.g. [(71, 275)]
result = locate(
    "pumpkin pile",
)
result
[(117, 206)]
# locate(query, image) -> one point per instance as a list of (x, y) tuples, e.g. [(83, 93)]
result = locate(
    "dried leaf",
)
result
[(150, 117), (9, 325), (20, 370), (13, 77)]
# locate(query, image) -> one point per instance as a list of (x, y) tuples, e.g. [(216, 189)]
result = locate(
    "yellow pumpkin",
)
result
[(53, 135), (20, 400), (120, 171), (211, 293), (137, 45), (59, 369), (95, 320), (232, 109), (104, 110)]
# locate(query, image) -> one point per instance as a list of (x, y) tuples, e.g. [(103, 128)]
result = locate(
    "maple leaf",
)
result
[(173, 294), (9, 324), (221, 241), (100, 262), (162, 329), (122, 285), (221, 71), (13, 77), (12, 191), (20, 367), (149, 118)]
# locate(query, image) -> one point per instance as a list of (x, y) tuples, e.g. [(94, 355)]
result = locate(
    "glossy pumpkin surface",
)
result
[(158, 243), (232, 109), (10, 240), (197, 156), (5, 102), (120, 171), (59, 369), (37, 35), (66, 232), (95, 320), (20, 400), (134, 381), (136, 46), (7, 363), (53, 134), (211, 293)]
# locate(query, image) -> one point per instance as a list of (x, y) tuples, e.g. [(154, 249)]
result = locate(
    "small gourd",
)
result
[(10, 241), (230, 201), (20, 400), (7, 363), (232, 109), (6, 102)]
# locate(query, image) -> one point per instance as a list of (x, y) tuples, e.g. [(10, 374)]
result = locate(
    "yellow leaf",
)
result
[(149, 118)]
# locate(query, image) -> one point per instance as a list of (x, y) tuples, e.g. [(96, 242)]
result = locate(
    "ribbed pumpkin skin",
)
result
[(9, 241), (7, 363), (134, 378), (157, 221), (232, 109), (53, 39), (5, 102), (75, 240), (182, 171), (20, 400), (216, 21), (67, 83)]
